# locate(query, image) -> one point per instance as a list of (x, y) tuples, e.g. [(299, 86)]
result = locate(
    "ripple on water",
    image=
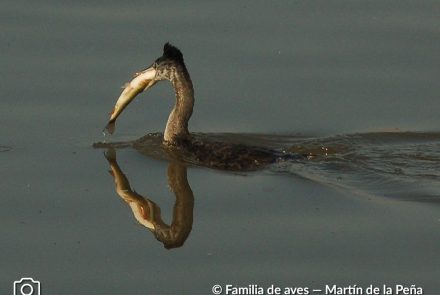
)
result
[(404, 166), (4, 148)]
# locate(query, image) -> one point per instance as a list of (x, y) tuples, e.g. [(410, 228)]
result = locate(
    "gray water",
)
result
[(352, 83)]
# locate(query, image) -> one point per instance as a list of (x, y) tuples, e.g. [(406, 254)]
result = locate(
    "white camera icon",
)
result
[(27, 286)]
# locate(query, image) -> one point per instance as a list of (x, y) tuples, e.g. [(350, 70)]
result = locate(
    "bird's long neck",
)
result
[(177, 125)]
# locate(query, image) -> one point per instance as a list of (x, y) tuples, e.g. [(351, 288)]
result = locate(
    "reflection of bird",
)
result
[(148, 213), (170, 66)]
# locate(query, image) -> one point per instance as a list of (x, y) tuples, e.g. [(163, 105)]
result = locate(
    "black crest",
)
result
[(171, 52)]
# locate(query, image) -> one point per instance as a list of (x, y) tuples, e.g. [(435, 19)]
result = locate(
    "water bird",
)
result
[(176, 138)]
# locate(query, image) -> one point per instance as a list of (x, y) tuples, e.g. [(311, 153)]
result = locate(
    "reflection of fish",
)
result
[(141, 81)]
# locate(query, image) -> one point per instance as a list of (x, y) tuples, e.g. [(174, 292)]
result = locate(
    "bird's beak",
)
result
[(141, 82)]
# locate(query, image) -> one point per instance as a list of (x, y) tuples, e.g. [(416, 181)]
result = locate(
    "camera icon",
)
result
[(27, 286)]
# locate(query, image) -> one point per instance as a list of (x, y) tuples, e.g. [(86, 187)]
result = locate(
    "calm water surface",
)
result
[(352, 84)]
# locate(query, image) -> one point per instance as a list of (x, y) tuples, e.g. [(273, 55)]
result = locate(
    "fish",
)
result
[(141, 81)]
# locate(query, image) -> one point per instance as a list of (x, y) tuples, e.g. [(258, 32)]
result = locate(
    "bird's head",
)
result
[(165, 67)]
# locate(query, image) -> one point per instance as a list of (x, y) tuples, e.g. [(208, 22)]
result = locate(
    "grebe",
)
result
[(177, 139)]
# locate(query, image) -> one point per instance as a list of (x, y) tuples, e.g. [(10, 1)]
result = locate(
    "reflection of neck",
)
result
[(176, 234), (177, 125)]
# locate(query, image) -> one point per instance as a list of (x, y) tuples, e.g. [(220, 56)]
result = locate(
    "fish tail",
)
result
[(110, 127)]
